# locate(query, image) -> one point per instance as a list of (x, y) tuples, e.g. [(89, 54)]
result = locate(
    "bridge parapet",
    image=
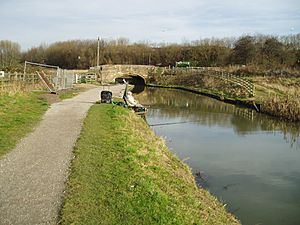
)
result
[(110, 72)]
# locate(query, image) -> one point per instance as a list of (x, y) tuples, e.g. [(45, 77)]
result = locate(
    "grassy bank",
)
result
[(277, 96), (123, 174), (19, 113)]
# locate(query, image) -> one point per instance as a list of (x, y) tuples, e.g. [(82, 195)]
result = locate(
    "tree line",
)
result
[(260, 50)]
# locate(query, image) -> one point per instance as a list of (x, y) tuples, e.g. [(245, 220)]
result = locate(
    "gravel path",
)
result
[(32, 176)]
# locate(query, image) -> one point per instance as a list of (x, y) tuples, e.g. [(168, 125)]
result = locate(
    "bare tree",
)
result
[(10, 53)]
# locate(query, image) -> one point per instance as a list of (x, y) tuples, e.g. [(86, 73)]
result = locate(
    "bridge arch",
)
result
[(131, 79)]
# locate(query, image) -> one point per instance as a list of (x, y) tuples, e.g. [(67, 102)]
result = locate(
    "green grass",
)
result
[(70, 93), (123, 174), (19, 113)]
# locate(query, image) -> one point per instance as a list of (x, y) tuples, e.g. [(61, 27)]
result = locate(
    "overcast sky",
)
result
[(32, 22)]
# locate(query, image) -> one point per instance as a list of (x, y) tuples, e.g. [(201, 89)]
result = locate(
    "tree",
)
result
[(10, 53), (259, 50), (273, 52), (36, 54), (244, 50)]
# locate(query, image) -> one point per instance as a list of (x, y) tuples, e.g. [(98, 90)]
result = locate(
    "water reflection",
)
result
[(206, 111), (248, 160)]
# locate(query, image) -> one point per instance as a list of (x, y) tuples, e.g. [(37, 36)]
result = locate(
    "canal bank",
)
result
[(235, 101), (250, 161), (269, 97), (122, 173)]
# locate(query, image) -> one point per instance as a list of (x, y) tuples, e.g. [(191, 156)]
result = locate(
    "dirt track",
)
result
[(32, 176)]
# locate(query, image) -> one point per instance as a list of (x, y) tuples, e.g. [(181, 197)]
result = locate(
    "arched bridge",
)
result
[(113, 73), (139, 74)]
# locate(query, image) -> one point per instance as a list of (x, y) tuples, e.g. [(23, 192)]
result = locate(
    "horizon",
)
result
[(32, 23), (155, 44)]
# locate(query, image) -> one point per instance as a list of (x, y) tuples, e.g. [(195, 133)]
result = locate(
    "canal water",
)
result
[(250, 161)]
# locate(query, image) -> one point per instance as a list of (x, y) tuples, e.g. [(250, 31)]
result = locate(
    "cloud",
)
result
[(31, 22)]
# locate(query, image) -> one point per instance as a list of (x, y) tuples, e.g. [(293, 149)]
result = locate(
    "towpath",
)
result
[(33, 175)]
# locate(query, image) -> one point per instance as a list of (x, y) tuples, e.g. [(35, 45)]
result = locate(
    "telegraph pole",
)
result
[(149, 59), (98, 71), (98, 53)]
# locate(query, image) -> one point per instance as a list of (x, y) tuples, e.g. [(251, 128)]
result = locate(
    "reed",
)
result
[(284, 107)]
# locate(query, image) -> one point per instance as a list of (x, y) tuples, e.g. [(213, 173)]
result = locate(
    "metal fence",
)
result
[(62, 79), (53, 77)]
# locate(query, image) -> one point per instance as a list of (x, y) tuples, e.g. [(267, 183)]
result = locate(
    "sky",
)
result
[(35, 22)]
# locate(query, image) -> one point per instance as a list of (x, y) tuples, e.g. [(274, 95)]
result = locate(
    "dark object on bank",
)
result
[(200, 175), (139, 109), (120, 104), (229, 185), (106, 97)]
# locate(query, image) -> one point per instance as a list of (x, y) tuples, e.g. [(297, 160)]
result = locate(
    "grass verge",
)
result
[(72, 92), (123, 174), (75, 90), (19, 113)]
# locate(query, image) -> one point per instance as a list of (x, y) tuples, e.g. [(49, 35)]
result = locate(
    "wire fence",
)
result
[(64, 79), (12, 82)]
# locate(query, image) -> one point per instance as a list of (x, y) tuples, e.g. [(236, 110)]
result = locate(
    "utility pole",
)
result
[(98, 53), (24, 73), (149, 60)]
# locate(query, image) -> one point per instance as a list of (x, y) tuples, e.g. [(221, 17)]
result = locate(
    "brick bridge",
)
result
[(111, 73)]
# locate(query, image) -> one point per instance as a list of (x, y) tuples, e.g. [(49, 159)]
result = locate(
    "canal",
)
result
[(249, 161)]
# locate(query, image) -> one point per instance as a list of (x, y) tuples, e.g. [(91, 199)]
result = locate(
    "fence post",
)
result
[(57, 77), (24, 72)]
